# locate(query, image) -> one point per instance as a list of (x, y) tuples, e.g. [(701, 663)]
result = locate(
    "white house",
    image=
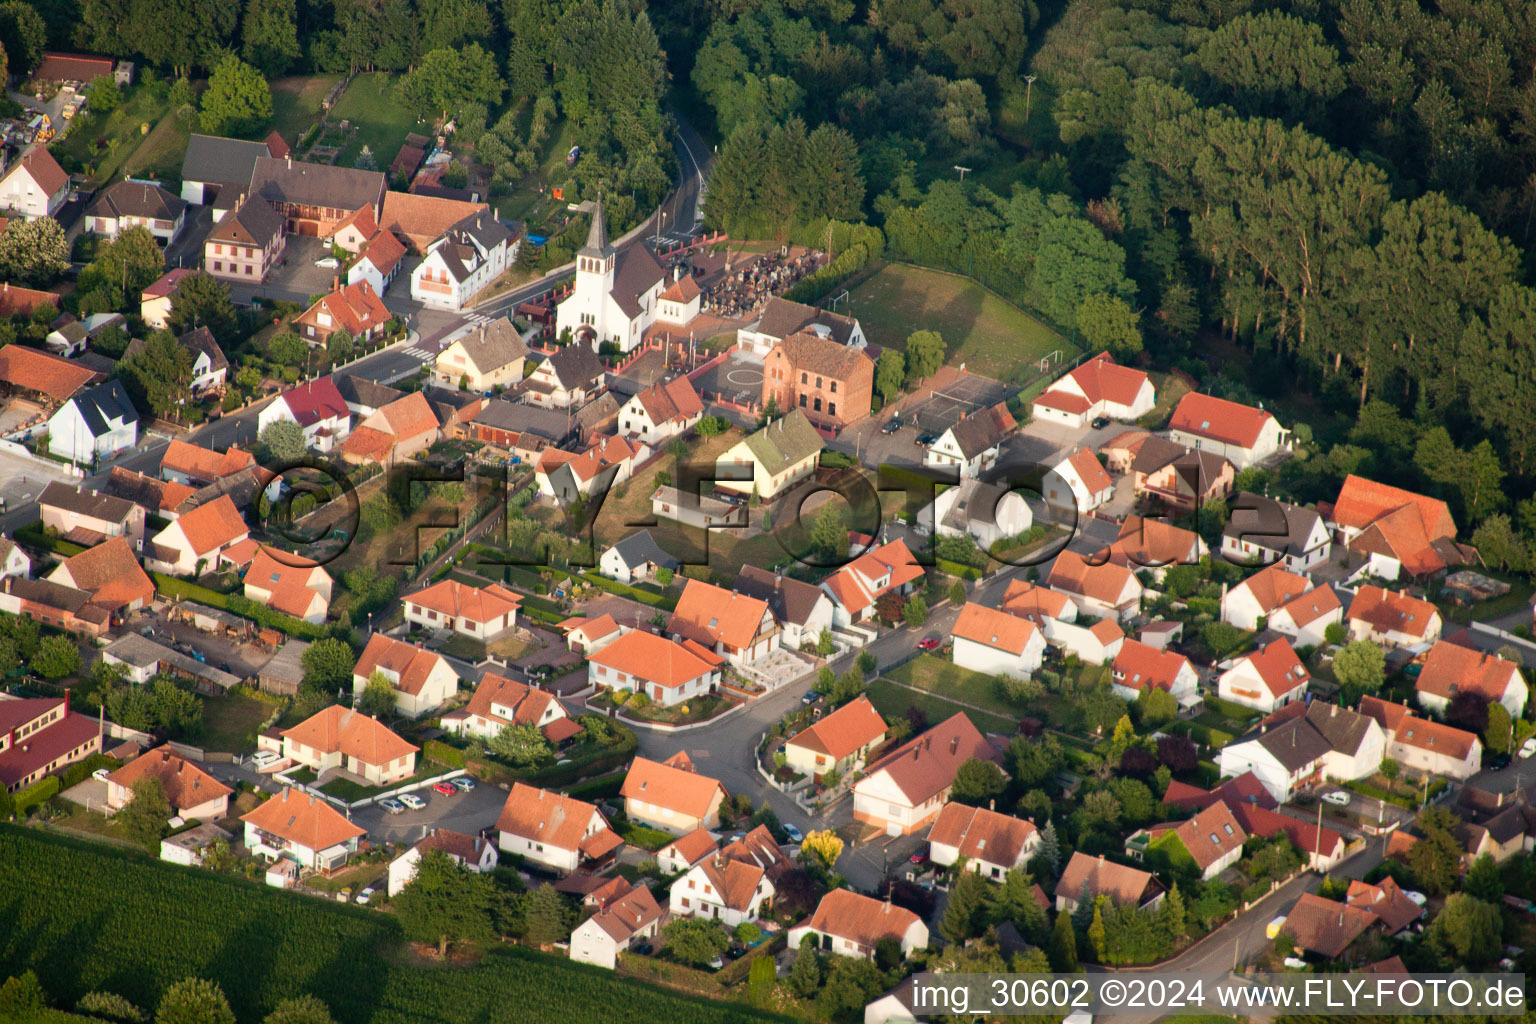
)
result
[(724, 888), (303, 591), (661, 411), (736, 627), (802, 610), (636, 557), (300, 828), (1248, 604), (552, 829), (338, 738), (986, 512), (1263, 531), (1393, 619), (13, 560), (838, 742), (851, 924), (684, 852), (459, 265), (1078, 482), (905, 790), (1240, 433), (1266, 679), (1422, 745), (991, 844), (607, 462), (210, 366), (616, 296), (96, 423), (1099, 387), (671, 795), (971, 446), (35, 186), (1301, 745), (1105, 590), (1451, 669), (783, 317), (193, 542), (1139, 667), (317, 407), (994, 642), (499, 702), (422, 680), (630, 915), (1306, 618), (479, 612), (190, 791), (378, 263), (128, 204), (1213, 838), (772, 460), (473, 853), (666, 672), (857, 587)]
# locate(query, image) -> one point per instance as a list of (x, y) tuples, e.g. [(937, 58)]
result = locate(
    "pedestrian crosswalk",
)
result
[(420, 353)]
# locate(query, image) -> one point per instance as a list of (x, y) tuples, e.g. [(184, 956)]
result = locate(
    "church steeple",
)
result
[(597, 235)]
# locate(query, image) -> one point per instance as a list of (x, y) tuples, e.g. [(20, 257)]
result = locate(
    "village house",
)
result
[(554, 830), (1242, 434), (1078, 482), (1450, 669), (1265, 679), (904, 791), (838, 742), (630, 915), (419, 220), (13, 560), (488, 358), (783, 317), (353, 308), (1299, 746), (475, 854), (87, 517), (1092, 877), (35, 186), (671, 795), (1263, 531), (686, 851), (422, 680), (661, 411), (378, 263), (1139, 667), (128, 204), (479, 612), (96, 423), (1105, 590), (41, 735), (831, 383), (1393, 619), (499, 702), (1326, 927), (606, 463), (246, 243), (1254, 809), (303, 591), (314, 198), (110, 573), (772, 460), (215, 166), (802, 610), (728, 886), (989, 843), (340, 739), (1500, 825), (591, 635), (666, 672), (635, 558), (1422, 745), (616, 296), (1276, 599), (1174, 475), (569, 378), (301, 828), (1395, 531), (857, 587), (850, 924), (190, 848), (1213, 839), (740, 629), (1152, 544), (193, 542), (210, 367), (399, 430), (459, 265), (53, 604), (971, 445), (191, 792), (1393, 907), (693, 509), (317, 407), (1099, 387), (187, 464), (156, 301), (996, 643), (157, 497), (33, 370), (987, 513)]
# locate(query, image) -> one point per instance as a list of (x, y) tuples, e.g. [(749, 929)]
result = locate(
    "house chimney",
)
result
[(289, 160), (954, 744)]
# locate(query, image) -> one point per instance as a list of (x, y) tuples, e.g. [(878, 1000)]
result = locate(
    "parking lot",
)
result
[(463, 812)]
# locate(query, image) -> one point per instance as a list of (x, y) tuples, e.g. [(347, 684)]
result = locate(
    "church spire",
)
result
[(597, 234)]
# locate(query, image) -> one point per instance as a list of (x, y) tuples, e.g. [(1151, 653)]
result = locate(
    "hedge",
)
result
[(442, 753), (34, 534), (182, 590), (36, 795), (82, 770), (264, 616), (969, 572)]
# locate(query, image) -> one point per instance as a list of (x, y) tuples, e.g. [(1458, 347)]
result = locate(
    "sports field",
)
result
[(990, 335)]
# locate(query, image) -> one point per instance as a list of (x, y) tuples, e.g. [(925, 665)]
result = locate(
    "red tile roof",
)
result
[(1219, 419), (111, 574), (1272, 587), (553, 819), (1361, 502), (15, 299), (1151, 543), (673, 401), (1278, 667), (354, 734), (980, 834), (1127, 886), (314, 401), (424, 219), (460, 600), (1325, 927), (368, 443), (693, 847), (925, 765), (204, 464), (1141, 667), (185, 784), (409, 417), (1259, 820), (303, 819), (510, 702), (853, 587), (71, 67), (652, 659), (212, 526), (1090, 471), (664, 785), (851, 727), (1104, 380), (384, 251), (412, 665), (1387, 610), (43, 746), (1451, 669), (354, 308), (43, 169), (708, 614), (1031, 602), (1307, 608), (38, 371), (1105, 583), (992, 628), (1211, 835), (861, 919), (290, 585)]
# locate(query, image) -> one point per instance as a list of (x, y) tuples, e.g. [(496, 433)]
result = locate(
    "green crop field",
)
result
[(86, 917), (990, 335)]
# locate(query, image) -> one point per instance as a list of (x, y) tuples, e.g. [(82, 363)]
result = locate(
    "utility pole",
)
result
[(1029, 88), (963, 171)]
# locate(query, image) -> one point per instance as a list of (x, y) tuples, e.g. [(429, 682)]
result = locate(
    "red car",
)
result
[(928, 643), (445, 788)]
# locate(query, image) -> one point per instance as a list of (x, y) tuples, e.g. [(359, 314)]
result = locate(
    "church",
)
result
[(618, 296)]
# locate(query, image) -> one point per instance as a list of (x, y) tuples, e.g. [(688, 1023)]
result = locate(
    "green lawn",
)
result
[(381, 120), (296, 104), (892, 702), (99, 145), (230, 722), (990, 335), (941, 676)]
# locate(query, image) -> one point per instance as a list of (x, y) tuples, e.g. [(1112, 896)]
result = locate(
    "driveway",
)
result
[(464, 812)]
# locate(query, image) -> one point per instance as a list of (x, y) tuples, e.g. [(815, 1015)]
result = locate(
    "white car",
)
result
[(366, 895), (1528, 748), (412, 801), (328, 263), (100, 774), (1418, 898), (263, 759), (1337, 797)]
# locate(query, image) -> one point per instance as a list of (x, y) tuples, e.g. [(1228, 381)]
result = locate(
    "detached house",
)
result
[(1078, 482), (905, 790), (661, 411), (1451, 669), (378, 262), (991, 844), (831, 383), (740, 629), (303, 591), (1284, 602), (1242, 434), (671, 795), (1395, 531), (839, 742), (317, 407), (1300, 745), (1212, 840), (1139, 667), (472, 853), (489, 357), (183, 463), (1106, 590), (570, 377), (1091, 877), (1425, 746), (849, 924), (128, 204), (630, 915), (1153, 544), (554, 830), (191, 792), (88, 517), (1266, 679), (783, 317), (686, 851), (194, 542), (421, 679), (733, 885), (246, 244), (1393, 619), (1099, 387), (96, 423), (499, 702), (972, 445), (988, 513), (340, 738), (353, 308), (1178, 477), (1263, 531), (609, 461), (479, 612), (35, 186), (801, 609), (994, 642), (156, 301), (772, 460), (636, 557), (399, 430), (666, 672), (110, 574), (301, 828), (459, 266), (1326, 927), (857, 587)]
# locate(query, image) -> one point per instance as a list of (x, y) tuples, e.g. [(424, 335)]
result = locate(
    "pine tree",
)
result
[(1098, 939), (1082, 914), (1063, 948), (968, 900), (805, 972), (1050, 846), (1171, 916)]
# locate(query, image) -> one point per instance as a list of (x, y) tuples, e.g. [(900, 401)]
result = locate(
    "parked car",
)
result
[(1100, 422), (464, 783), (811, 697), (366, 895), (928, 643), (328, 263), (924, 440), (1337, 797), (392, 805), (1418, 898), (412, 801), (263, 758), (891, 426), (794, 834), (100, 774), (644, 949), (1499, 762), (446, 788), (1528, 748)]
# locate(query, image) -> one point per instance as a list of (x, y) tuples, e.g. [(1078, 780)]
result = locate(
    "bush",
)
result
[(35, 795), (442, 753)]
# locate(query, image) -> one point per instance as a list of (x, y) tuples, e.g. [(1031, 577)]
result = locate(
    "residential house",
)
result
[(857, 588), (661, 411), (156, 301), (904, 790), (1139, 667), (616, 296), (499, 702), (1422, 745), (569, 378), (1306, 618), (520, 429), (666, 672), (302, 828), (422, 680), (782, 318), (729, 886), (317, 407), (1452, 669), (1213, 840), (772, 460), (1093, 877), (398, 431), (831, 383), (1242, 434), (41, 735), (1263, 531), (214, 166), (35, 186), (554, 830), (354, 230), (972, 445), (1104, 589), (187, 464), (1056, 616), (987, 513), (850, 924), (589, 635), (13, 560), (378, 263), (699, 510), (838, 742), (87, 517), (1326, 927), (210, 367), (682, 300), (1078, 482), (607, 462), (1155, 544), (802, 610), (1386, 899), (1395, 531), (246, 244), (479, 612), (353, 308), (96, 423), (1393, 619), (1500, 825), (1300, 745), (1178, 477), (459, 265), (671, 795), (1266, 679), (314, 198), (190, 848), (636, 557), (989, 843), (302, 591), (193, 542), (996, 643), (128, 204), (1099, 387), (420, 220), (488, 358), (110, 574), (475, 854), (53, 604), (686, 851), (1249, 604), (32, 370), (740, 629), (342, 739), (629, 916), (191, 792), (1254, 809)]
